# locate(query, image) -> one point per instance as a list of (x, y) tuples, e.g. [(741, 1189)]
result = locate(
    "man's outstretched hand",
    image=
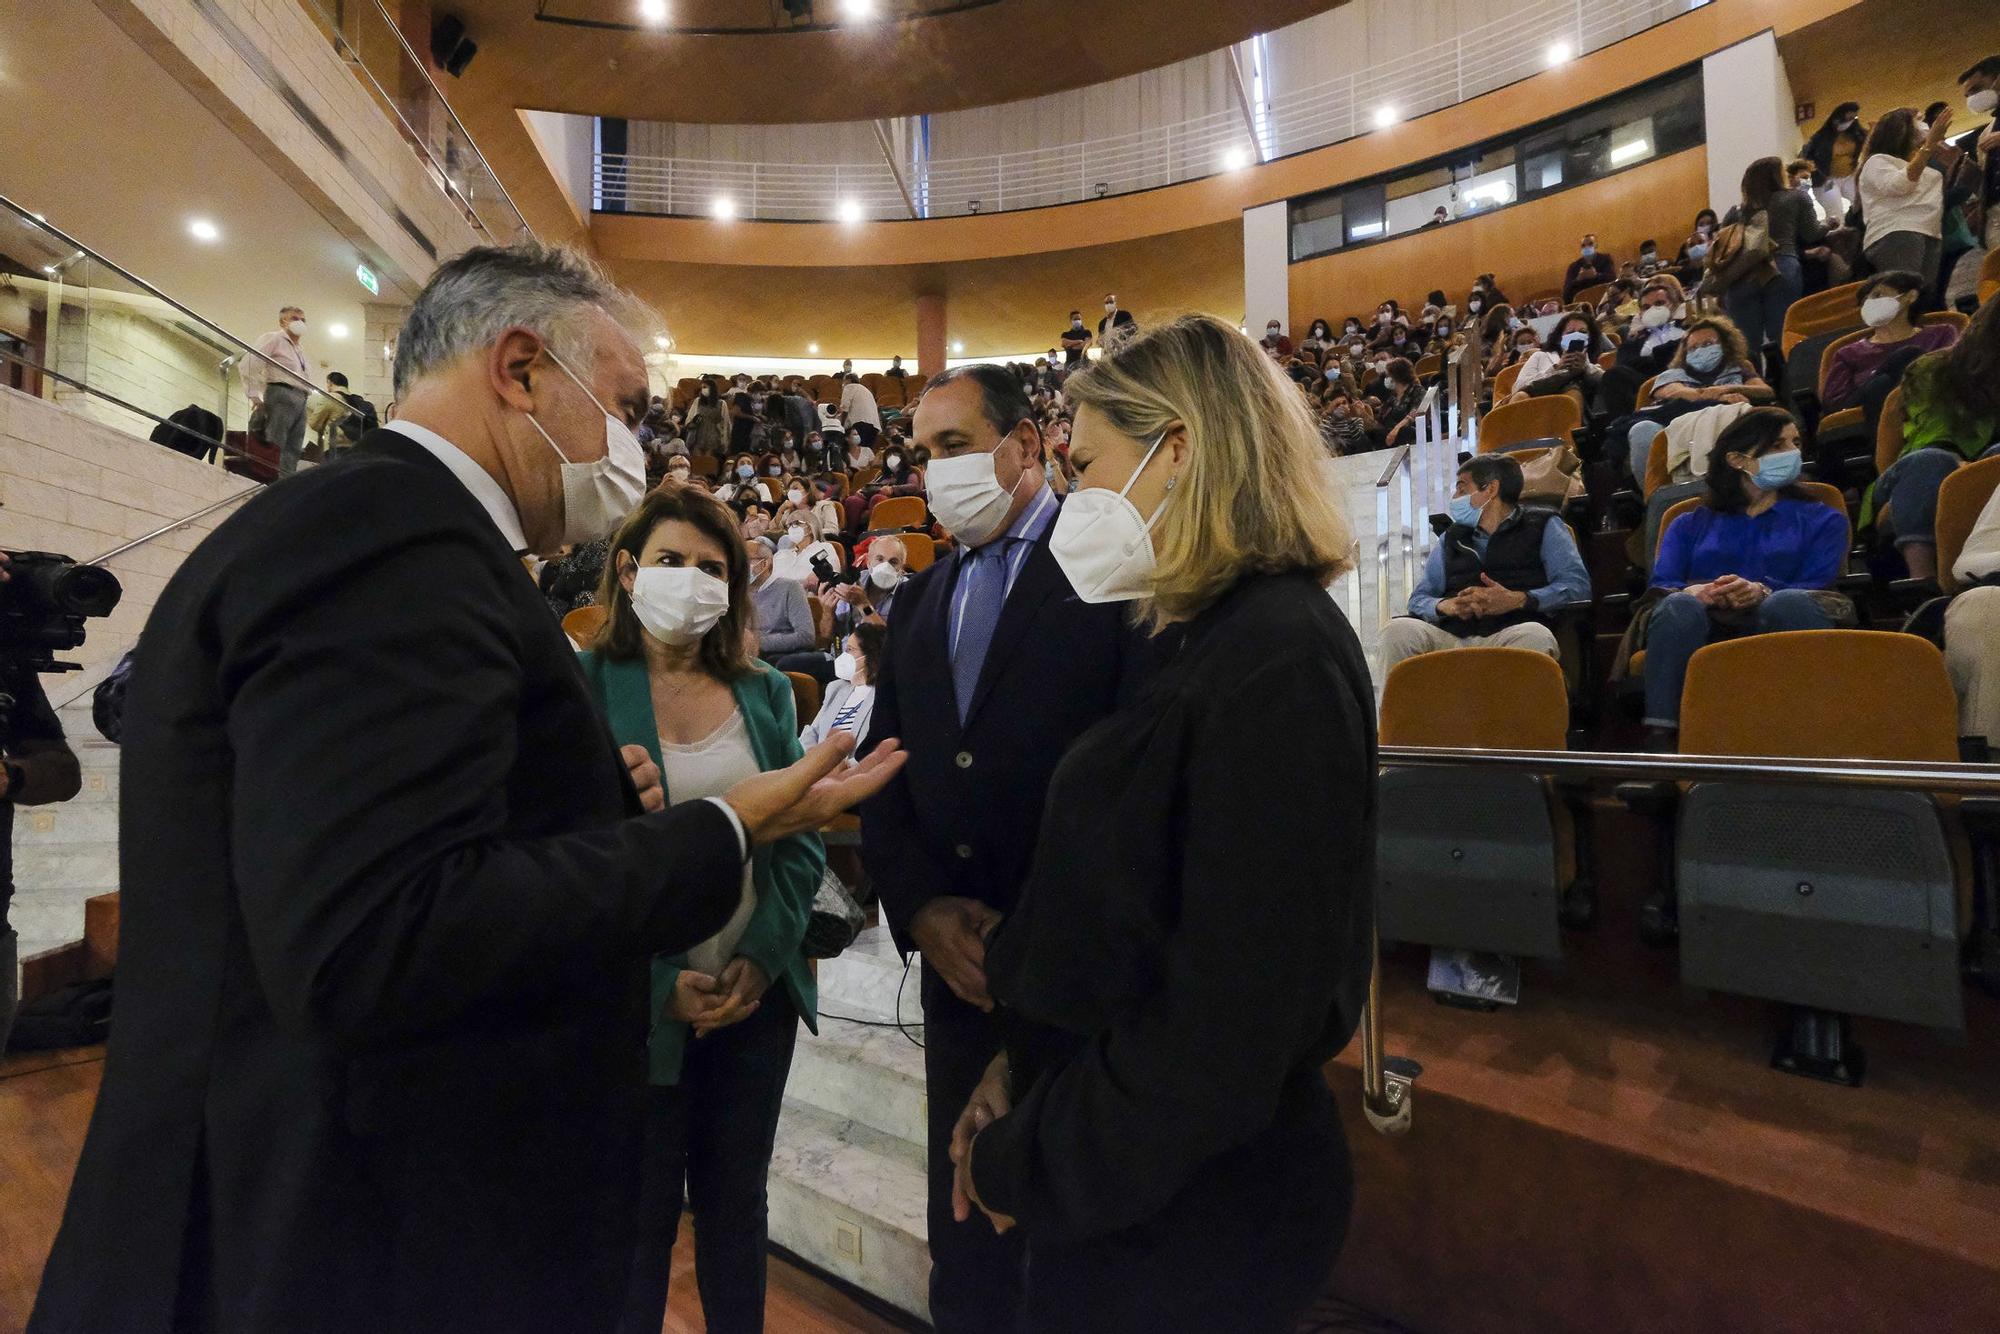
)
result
[(804, 797)]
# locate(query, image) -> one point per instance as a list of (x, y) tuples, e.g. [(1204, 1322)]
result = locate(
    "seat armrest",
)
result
[(1914, 590), (1657, 798)]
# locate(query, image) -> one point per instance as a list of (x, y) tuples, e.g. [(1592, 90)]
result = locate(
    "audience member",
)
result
[(1981, 86), (1116, 325), (1758, 299), (1588, 269), (1494, 576), (277, 381), (1348, 424), (1400, 396), (851, 698), (1275, 342), (1711, 365), (1950, 414), (859, 409), (673, 675), (896, 371), (899, 477), (708, 421), (1867, 369), (1835, 151), (1757, 555), (1566, 363), (1075, 341), (1651, 341), (784, 622), (1902, 195), (1972, 629), (1694, 250)]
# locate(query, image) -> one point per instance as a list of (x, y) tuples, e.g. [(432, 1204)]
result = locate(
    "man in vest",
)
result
[(1495, 576)]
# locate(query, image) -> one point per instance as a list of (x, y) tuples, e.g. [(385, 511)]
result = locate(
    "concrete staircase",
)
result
[(847, 1178)]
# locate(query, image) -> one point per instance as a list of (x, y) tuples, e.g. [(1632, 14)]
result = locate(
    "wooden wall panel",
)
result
[(1528, 246), (1890, 53)]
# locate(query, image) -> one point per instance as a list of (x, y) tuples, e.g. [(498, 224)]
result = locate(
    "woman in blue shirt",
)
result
[(1758, 555)]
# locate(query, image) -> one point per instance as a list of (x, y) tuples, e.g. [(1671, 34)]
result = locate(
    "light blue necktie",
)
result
[(985, 591)]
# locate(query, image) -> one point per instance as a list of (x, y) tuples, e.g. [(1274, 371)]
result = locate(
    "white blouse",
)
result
[(1891, 202), (709, 768)]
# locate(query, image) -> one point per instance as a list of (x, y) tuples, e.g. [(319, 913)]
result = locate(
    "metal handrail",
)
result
[(117, 402), (1969, 780), (243, 349), (1473, 61), (416, 140)]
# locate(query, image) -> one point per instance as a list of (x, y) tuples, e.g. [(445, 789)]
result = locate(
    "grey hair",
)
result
[(472, 299)]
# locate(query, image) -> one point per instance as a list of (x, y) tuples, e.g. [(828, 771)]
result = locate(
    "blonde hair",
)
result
[(1254, 496)]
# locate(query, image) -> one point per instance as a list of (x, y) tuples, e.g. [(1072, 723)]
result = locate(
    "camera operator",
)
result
[(36, 767)]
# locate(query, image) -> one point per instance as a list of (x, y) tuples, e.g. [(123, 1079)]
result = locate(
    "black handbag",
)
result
[(835, 921)]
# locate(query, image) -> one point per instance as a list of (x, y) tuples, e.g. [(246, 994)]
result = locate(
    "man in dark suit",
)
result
[(993, 667), (388, 887)]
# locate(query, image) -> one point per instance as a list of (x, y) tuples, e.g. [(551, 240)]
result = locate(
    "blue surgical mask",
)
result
[(1464, 511), (1705, 360), (1590, 252), (1698, 250), (1778, 469), (745, 471)]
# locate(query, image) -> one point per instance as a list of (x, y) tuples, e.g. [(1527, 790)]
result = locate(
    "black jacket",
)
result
[(1513, 560), (1193, 945), (387, 904), (960, 819)]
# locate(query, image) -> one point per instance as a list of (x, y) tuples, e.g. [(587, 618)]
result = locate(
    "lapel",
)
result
[(1041, 579)]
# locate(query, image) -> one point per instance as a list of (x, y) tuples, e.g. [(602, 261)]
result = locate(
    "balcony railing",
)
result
[(1525, 42)]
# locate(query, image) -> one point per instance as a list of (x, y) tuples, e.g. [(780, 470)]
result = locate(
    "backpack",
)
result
[(360, 421), (1742, 252)]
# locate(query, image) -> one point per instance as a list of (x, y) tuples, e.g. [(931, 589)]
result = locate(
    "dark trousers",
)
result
[(1244, 1247), (708, 1146), (975, 1272)]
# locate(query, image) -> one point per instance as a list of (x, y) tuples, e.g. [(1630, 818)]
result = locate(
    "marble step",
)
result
[(869, 981), (846, 1199), (871, 1075), (89, 865)]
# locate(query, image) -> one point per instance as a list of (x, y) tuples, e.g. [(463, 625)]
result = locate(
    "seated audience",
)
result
[(1588, 269), (1694, 251), (1494, 576), (1950, 415), (726, 1013), (1276, 343), (1711, 365), (899, 477), (1651, 340), (1400, 396), (1566, 363), (1348, 425), (850, 699), (1757, 555), (1972, 629), (741, 484), (1391, 327), (1864, 371), (784, 622)]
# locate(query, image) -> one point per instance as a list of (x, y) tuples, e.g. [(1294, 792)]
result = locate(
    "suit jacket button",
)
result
[(965, 852), (964, 760)]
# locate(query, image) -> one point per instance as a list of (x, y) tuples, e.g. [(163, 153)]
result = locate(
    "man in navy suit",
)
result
[(993, 667)]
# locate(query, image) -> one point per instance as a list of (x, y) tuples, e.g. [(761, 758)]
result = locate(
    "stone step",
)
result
[(846, 1199), (865, 981), (84, 865), (871, 1075), (67, 822)]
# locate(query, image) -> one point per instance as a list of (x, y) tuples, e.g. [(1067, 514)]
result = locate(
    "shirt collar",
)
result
[(499, 506), (1035, 519)]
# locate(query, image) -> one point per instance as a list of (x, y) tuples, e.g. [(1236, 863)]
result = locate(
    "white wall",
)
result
[(567, 144), (1266, 286), (1748, 109), (137, 356)]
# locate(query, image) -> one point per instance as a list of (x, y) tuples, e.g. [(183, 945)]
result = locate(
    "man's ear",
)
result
[(509, 363)]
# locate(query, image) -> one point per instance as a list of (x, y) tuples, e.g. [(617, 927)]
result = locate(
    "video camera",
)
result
[(43, 605)]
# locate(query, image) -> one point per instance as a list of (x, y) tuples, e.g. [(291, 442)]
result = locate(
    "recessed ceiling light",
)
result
[(336, 331), (1385, 116), (958, 349), (812, 349), (850, 210), (201, 229), (1559, 52), (1236, 159), (858, 9), (660, 341), (653, 11), (723, 207)]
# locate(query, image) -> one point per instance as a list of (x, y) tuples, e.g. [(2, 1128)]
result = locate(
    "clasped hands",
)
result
[(1730, 592), (1484, 598), (989, 1102), (707, 1003)]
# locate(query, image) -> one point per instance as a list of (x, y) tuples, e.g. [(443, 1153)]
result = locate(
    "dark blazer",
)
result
[(387, 902), (1193, 945), (960, 819)]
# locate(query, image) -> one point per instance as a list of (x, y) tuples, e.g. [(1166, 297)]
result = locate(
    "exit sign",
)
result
[(366, 277)]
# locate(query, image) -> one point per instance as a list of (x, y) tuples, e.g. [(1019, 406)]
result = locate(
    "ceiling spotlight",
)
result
[(1385, 116), (336, 331), (660, 341), (1559, 52), (1236, 159), (850, 210), (859, 10), (958, 349), (723, 207), (812, 349), (653, 11), (201, 229)]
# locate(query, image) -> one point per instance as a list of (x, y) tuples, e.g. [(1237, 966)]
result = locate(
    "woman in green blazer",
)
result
[(674, 671)]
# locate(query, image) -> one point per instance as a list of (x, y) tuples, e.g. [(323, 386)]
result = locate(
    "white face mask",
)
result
[(966, 496), (297, 328), (1102, 542), (884, 576), (680, 605), (845, 667), (1982, 102), (1877, 311), (1655, 316), (599, 494)]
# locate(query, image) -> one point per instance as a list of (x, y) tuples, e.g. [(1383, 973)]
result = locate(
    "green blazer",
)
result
[(786, 874)]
